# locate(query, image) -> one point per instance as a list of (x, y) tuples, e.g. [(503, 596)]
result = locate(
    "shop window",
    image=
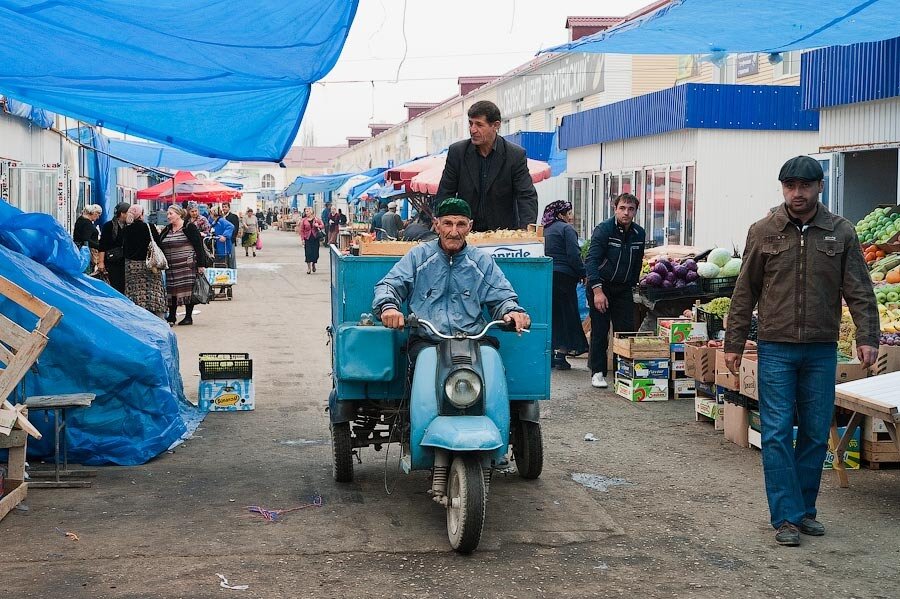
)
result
[(648, 204), (33, 189), (789, 65), (659, 207), (268, 181), (549, 122), (675, 206), (578, 190), (690, 191)]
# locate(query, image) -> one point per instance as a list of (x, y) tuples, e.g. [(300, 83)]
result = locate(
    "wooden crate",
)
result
[(640, 345), (386, 248), (880, 452), (15, 488)]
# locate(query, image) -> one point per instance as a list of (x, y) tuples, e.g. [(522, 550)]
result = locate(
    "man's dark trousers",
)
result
[(620, 313)]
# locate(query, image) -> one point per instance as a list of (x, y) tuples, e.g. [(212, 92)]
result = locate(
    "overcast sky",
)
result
[(444, 40)]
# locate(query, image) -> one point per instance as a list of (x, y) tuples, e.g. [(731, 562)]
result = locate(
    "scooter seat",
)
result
[(463, 433)]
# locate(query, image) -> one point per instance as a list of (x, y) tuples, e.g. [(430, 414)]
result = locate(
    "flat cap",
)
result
[(801, 167)]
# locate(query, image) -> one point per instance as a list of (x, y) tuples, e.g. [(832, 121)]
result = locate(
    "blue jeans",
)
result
[(795, 378)]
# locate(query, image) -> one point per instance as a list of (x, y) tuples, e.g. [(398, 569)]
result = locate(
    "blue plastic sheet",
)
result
[(41, 238), (105, 345), (153, 155), (724, 26), (220, 79), (41, 118)]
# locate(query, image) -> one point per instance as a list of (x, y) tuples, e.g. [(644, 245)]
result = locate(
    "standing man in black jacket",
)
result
[(613, 266), (490, 174), (235, 220)]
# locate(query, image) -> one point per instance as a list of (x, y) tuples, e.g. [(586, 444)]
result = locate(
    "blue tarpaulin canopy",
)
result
[(727, 26), (323, 183), (221, 79), (155, 155)]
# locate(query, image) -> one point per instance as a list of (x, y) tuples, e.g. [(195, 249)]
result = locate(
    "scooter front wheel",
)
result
[(466, 503)]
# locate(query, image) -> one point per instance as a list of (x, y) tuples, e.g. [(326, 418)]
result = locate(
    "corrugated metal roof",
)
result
[(690, 106), (848, 74), (537, 144)]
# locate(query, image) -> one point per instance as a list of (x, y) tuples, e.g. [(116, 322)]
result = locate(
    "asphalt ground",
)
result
[(684, 513)]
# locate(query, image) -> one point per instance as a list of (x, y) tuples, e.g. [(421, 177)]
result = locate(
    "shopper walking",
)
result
[(561, 244), (613, 266), (249, 232), (182, 244), (111, 256), (799, 261), (334, 225), (142, 285), (309, 230)]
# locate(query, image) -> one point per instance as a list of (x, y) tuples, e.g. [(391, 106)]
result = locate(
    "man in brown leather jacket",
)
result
[(798, 262)]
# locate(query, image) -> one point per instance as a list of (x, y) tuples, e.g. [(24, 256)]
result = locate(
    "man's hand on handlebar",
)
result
[(392, 318), (520, 320)]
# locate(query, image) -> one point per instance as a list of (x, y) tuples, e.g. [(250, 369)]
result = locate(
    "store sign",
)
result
[(570, 78), (747, 64)]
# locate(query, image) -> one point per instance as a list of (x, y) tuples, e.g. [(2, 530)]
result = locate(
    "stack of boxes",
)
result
[(642, 367), (678, 332)]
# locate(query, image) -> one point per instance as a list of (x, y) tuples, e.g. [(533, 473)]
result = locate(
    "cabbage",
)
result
[(653, 279), (691, 276), (660, 269), (732, 268), (719, 257), (689, 264), (680, 271), (707, 270)]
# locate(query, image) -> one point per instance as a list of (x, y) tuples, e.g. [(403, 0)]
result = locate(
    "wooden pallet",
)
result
[(15, 488)]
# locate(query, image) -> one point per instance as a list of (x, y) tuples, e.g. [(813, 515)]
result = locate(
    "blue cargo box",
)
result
[(372, 364), (642, 369)]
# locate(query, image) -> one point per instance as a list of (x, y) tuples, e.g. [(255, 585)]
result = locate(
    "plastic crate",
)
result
[(225, 366), (655, 294), (733, 397), (720, 285), (713, 323)]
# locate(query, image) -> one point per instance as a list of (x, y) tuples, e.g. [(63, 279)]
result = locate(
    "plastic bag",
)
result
[(258, 242), (202, 291)]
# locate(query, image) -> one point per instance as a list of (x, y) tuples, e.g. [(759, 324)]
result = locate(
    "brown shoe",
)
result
[(788, 535)]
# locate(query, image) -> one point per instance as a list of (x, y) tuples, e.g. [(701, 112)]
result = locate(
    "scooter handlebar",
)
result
[(414, 321)]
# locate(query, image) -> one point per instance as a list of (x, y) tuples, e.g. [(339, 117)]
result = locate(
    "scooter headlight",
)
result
[(463, 387)]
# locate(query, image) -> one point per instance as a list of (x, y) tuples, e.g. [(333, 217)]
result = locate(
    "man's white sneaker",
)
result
[(599, 381)]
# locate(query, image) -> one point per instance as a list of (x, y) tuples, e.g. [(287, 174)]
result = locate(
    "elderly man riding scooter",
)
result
[(448, 282)]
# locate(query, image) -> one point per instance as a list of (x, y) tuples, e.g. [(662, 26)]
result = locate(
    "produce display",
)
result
[(719, 264), (885, 268), (887, 294), (718, 306), (889, 315), (670, 274), (880, 226), (847, 334)]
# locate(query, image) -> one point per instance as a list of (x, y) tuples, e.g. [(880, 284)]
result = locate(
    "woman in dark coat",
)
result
[(182, 243), (142, 285), (85, 233), (111, 257), (561, 244)]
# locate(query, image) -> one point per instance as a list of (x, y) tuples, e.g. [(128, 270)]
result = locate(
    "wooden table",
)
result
[(876, 397)]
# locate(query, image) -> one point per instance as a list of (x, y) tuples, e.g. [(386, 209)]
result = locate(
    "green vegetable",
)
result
[(718, 306), (719, 257), (732, 268)]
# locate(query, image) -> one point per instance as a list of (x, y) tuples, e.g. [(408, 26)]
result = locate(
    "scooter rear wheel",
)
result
[(466, 503), (528, 449), (342, 452)]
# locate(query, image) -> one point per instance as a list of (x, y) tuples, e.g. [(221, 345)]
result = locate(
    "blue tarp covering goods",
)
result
[(226, 80), (104, 344), (726, 26)]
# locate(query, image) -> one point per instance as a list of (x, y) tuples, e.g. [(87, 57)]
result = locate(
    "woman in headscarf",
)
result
[(309, 230), (561, 244), (249, 232), (142, 285), (86, 233), (182, 244)]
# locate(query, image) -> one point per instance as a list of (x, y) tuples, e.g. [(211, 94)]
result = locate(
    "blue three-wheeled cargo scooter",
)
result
[(467, 401)]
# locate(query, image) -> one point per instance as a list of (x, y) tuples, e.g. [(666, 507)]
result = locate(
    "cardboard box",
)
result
[(754, 438), (700, 361), (680, 330), (888, 360), (880, 452), (642, 369), (724, 377), (849, 371), (753, 420), (709, 409), (677, 359), (737, 423), (874, 429), (221, 276), (684, 388), (227, 395), (514, 250), (705, 389), (851, 455), (643, 389), (748, 380)]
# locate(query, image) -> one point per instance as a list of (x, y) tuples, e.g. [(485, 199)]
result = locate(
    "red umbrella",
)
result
[(187, 187), (403, 173), (153, 193), (427, 181), (198, 190)]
